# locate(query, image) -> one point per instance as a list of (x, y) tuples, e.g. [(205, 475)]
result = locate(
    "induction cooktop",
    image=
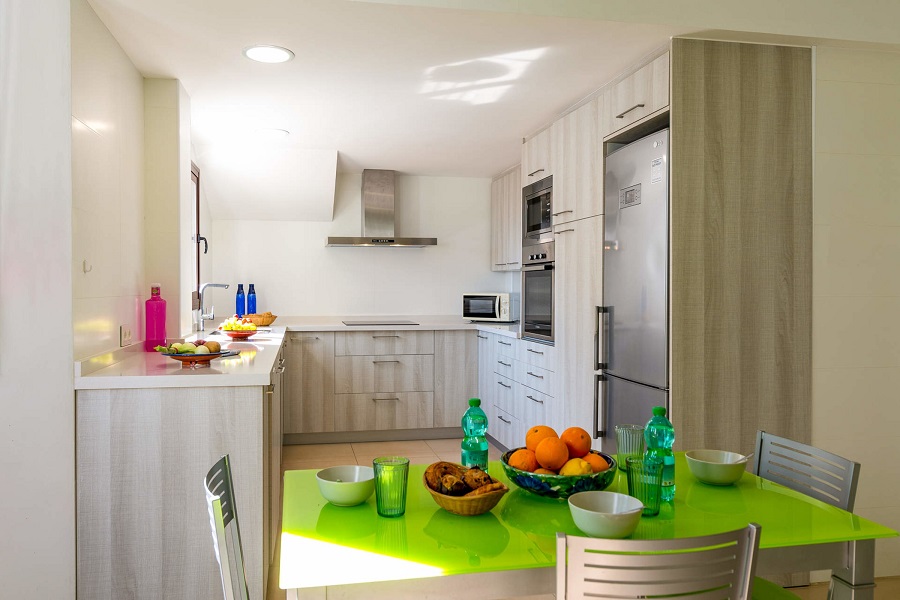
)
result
[(380, 322)]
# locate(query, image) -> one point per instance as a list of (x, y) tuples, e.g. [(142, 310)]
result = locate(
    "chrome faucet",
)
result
[(201, 315)]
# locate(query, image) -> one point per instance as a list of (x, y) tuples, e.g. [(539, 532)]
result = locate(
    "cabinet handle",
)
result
[(381, 336), (500, 264), (504, 343), (504, 420), (562, 212), (378, 362), (535, 351), (480, 337), (562, 231), (303, 339), (504, 364), (622, 116), (533, 173), (533, 375), (513, 263), (532, 398), (509, 387), (380, 399)]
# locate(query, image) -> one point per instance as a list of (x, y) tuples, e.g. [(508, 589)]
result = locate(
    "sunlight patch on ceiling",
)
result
[(480, 80)]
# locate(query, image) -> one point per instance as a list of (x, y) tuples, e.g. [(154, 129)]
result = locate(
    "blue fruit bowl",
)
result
[(560, 486)]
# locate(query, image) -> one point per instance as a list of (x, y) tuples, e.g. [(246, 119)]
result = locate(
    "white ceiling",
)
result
[(425, 91)]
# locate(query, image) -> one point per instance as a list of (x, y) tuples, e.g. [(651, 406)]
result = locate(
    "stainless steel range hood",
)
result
[(378, 216)]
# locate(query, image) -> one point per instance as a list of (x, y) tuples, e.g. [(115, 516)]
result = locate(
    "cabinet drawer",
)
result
[(642, 93), (536, 378), (505, 346), (505, 428), (383, 411), (388, 373), (539, 355), (502, 392), (536, 408), (365, 343), (503, 365)]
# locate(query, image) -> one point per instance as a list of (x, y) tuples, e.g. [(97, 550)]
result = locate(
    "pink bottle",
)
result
[(154, 320)]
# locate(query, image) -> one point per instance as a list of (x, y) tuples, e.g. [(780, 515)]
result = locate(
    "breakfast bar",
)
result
[(511, 549)]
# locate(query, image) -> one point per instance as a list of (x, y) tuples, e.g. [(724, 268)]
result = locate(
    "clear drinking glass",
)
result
[(391, 474), (629, 443), (645, 482)]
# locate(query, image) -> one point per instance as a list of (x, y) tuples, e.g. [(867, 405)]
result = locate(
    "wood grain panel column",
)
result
[(741, 225)]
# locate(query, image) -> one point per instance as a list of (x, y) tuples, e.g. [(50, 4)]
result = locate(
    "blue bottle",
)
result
[(660, 435), (475, 444), (240, 302), (251, 300)]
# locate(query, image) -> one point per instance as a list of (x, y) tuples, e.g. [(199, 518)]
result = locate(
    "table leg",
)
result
[(856, 580)]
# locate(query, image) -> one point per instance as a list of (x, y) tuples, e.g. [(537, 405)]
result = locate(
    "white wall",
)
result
[(107, 187), (37, 427), (296, 275), (856, 277)]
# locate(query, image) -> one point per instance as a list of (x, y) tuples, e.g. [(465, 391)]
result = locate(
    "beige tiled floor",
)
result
[(319, 456)]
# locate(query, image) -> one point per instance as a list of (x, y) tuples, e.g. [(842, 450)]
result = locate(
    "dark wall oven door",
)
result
[(537, 302)]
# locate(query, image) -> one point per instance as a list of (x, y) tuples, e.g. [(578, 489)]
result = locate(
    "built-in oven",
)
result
[(536, 322), (537, 212)]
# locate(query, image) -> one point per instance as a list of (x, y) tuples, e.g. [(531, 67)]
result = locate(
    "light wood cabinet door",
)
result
[(485, 367), (503, 392), (383, 411), (384, 373), (455, 375), (534, 408), (536, 157), (506, 221), (640, 94), (309, 393), (537, 354), (578, 291), (534, 377), (275, 438), (365, 343), (577, 164)]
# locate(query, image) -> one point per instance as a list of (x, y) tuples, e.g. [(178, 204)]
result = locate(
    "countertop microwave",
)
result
[(498, 307)]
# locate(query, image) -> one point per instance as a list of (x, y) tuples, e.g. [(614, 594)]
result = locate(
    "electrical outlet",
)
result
[(124, 335)]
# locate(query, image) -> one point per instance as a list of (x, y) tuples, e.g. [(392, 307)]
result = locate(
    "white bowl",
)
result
[(605, 514), (716, 467), (346, 485)]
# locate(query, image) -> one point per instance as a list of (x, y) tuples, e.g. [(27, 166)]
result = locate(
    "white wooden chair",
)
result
[(223, 520), (719, 567), (807, 469)]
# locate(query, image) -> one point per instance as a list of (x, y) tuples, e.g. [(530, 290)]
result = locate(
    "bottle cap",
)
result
[(240, 287), (154, 288), (659, 411), (475, 402)]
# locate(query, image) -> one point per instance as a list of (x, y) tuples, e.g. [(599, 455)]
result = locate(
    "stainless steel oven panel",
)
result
[(537, 212), (538, 303)]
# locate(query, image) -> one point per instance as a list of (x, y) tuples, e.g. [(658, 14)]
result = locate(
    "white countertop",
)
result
[(133, 368)]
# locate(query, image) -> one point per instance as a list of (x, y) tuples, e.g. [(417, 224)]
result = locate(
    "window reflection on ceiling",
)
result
[(480, 80)]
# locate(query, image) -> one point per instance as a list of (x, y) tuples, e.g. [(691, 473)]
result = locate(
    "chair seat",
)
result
[(763, 589)]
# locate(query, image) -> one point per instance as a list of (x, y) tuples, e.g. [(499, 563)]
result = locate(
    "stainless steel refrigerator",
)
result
[(633, 325)]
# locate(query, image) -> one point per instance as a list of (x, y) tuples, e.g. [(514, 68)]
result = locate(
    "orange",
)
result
[(543, 471), (597, 462), (523, 459), (577, 440), (536, 434), (551, 453)]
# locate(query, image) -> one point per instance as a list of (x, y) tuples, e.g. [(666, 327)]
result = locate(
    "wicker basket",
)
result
[(262, 320), (466, 506)]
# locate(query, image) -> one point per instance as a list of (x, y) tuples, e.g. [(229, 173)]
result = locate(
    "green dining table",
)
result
[(351, 552)]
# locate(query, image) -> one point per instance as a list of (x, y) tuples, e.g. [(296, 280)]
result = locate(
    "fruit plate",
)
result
[(241, 334), (559, 486), (199, 361)]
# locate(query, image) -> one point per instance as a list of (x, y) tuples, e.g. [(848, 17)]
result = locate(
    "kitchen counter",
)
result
[(133, 368)]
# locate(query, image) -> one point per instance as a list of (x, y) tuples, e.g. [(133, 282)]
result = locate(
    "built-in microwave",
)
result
[(499, 307), (537, 212)]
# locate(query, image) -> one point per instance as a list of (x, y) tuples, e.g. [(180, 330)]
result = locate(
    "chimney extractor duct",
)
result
[(378, 216)]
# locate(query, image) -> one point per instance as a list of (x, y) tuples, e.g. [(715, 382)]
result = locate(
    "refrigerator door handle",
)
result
[(601, 337), (600, 405)]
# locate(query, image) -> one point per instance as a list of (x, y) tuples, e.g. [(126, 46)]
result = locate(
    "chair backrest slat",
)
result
[(719, 567), (226, 532), (807, 469)]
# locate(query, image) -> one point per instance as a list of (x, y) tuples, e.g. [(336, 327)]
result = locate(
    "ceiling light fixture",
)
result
[(268, 54)]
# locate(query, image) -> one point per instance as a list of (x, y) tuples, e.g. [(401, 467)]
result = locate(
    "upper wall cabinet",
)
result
[(537, 157), (640, 94), (506, 221), (577, 162)]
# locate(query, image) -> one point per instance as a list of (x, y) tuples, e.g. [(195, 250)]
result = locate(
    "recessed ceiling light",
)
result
[(268, 54)]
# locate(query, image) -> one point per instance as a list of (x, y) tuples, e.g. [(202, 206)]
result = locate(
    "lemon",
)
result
[(576, 466)]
